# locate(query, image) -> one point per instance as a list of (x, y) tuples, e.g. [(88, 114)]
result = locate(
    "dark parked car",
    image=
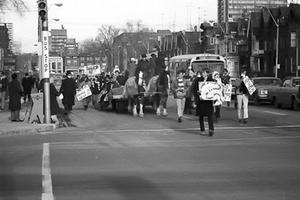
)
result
[(265, 87)]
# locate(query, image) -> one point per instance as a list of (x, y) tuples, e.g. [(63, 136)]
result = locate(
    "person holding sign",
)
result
[(204, 107), (242, 96)]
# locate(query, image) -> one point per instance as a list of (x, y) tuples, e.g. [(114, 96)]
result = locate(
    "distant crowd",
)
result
[(184, 87)]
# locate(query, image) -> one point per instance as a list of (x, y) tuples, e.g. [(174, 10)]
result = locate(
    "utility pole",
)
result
[(45, 69)]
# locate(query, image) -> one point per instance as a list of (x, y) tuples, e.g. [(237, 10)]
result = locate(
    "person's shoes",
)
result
[(158, 112), (85, 107), (245, 121), (165, 113), (211, 133), (203, 133), (240, 121), (179, 119)]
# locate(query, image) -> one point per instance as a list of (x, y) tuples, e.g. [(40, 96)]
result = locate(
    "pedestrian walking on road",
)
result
[(217, 105), (68, 89), (3, 89), (27, 83), (179, 89), (242, 96), (82, 83), (204, 107), (15, 92)]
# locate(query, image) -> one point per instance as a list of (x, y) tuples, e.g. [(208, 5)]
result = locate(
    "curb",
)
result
[(29, 129)]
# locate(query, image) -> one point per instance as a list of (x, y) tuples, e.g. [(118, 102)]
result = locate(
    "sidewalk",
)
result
[(20, 128)]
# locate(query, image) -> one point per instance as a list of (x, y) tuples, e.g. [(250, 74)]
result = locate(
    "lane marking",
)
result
[(195, 129), (179, 143), (46, 174), (275, 113)]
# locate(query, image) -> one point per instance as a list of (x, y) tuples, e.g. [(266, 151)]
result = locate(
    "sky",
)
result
[(82, 18)]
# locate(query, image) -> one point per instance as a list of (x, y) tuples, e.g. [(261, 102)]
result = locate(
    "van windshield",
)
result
[(211, 65)]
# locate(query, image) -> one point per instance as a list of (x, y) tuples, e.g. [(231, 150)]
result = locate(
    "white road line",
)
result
[(196, 129), (275, 113), (46, 174)]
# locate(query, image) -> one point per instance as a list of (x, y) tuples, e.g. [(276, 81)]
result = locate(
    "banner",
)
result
[(249, 85), (210, 91), (227, 92), (84, 92)]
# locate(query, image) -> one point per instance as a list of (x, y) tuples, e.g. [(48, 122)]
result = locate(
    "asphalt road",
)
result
[(116, 156)]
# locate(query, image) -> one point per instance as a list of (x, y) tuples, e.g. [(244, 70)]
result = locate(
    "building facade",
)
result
[(231, 10), (71, 47), (56, 65), (57, 41)]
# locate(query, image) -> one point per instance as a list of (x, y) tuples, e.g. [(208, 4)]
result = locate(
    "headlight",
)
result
[(263, 92)]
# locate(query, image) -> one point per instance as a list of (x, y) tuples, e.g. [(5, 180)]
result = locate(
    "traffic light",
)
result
[(42, 9)]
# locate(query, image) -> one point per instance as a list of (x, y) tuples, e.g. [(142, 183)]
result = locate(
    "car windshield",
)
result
[(296, 81), (275, 82), (211, 65)]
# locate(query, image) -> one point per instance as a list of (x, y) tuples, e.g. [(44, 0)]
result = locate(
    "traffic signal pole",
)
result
[(45, 68)]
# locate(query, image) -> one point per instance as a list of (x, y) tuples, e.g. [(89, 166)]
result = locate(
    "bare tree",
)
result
[(17, 5), (105, 37)]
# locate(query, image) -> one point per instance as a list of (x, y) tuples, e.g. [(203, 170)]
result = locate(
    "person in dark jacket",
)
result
[(27, 83), (3, 89), (194, 90), (204, 107), (68, 89), (15, 92), (143, 66)]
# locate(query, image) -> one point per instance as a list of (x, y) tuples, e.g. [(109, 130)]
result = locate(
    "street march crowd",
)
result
[(190, 89)]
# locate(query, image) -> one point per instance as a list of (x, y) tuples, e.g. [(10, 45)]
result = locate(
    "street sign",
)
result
[(45, 55)]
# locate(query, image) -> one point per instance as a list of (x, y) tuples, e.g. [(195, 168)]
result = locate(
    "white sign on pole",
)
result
[(45, 55)]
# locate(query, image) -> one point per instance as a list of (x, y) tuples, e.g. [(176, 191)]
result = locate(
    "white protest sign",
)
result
[(249, 85), (210, 91), (227, 92), (84, 92)]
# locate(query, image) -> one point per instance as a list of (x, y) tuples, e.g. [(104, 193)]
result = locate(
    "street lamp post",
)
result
[(276, 22)]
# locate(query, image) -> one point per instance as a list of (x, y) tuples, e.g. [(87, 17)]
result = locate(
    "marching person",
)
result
[(27, 83), (225, 77), (204, 107), (195, 82), (68, 89), (242, 96), (179, 89), (217, 105), (82, 83), (15, 91), (3, 89)]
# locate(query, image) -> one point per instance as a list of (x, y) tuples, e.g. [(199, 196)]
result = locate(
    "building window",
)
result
[(211, 40)]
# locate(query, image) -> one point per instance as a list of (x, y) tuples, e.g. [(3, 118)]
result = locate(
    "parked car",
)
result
[(265, 87), (288, 94)]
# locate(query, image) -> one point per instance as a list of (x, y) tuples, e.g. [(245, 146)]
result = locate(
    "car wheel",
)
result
[(294, 104), (276, 103), (256, 100)]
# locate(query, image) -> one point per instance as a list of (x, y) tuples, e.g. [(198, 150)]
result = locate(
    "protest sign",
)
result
[(210, 91), (84, 92), (227, 92), (249, 85)]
